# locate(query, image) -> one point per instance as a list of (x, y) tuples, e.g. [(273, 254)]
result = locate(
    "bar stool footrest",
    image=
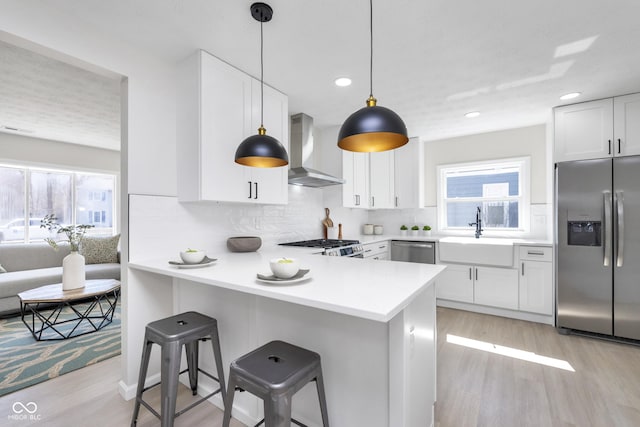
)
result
[(296, 422)]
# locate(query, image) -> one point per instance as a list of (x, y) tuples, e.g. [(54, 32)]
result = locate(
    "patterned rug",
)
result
[(25, 361)]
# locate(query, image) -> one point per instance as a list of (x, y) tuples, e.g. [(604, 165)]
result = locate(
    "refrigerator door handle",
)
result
[(620, 209), (607, 229)]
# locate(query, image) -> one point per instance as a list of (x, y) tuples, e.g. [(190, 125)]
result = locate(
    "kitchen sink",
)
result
[(469, 250)]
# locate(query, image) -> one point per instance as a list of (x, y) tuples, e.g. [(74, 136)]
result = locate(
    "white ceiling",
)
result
[(46, 98), (433, 60)]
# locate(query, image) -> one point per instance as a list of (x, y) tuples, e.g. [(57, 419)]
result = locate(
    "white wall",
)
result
[(18, 149), (528, 141), (532, 142)]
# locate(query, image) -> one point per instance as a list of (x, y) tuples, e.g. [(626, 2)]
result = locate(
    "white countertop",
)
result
[(370, 289), (375, 238)]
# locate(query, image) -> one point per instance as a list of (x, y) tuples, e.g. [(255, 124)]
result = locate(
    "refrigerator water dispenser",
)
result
[(584, 233)]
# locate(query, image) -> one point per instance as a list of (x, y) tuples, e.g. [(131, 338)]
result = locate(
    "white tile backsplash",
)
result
[(160, 225)]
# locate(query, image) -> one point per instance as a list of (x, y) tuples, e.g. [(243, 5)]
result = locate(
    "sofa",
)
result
[(31, 265)]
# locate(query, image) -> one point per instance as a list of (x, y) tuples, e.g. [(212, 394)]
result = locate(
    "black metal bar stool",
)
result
[(171, 334), (274, 373)]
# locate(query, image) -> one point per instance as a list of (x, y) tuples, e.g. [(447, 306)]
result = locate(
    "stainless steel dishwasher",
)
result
[(413, 251)]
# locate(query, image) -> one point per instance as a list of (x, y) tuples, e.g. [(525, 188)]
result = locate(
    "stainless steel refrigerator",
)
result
[(598, 235)]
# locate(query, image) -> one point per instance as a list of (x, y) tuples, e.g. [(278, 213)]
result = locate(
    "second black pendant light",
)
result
[(261, 150), (372, 128)]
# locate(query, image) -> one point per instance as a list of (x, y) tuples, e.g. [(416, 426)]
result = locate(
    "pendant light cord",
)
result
[(371, 48), (261, 77)]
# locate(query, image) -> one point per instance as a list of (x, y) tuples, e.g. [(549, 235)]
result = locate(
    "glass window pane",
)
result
[(480, 184), (49, 193), (94, 195), (12, 203), (495, 214), (460, 214)]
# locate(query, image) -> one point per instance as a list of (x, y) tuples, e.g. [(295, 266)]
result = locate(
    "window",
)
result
[(499, 188), (28, 194)]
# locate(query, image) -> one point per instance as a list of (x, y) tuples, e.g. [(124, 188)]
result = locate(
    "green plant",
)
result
[(75, 233), (426, 228), (191, 250), (403, 227), (415, 228)]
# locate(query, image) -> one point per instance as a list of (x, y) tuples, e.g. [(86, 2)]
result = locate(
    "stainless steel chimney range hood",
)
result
[(300, 155)]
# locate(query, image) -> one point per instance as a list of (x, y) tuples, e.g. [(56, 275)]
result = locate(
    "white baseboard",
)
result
[(128, 391), (513, 314)]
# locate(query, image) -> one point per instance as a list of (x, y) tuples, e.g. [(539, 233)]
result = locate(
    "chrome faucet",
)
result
[(478, 223)]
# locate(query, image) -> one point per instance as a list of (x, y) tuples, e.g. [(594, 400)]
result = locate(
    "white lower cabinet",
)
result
[(536, 280), (526, 288), (490, 286), (378, 250), (456, 283), (496, 287)]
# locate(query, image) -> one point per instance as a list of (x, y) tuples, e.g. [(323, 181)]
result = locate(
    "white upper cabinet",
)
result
[(409, 175), (384, 180), (218, 106), (584, 131), (626, 119), (598, 129), (271, 182), (355, 171), (381, 180)]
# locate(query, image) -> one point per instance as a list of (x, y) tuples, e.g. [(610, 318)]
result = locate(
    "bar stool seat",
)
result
[(274, 373), (171, 333)]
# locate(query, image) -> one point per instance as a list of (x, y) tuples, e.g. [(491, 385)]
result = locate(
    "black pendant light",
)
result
[(372, 128), (261, 150)]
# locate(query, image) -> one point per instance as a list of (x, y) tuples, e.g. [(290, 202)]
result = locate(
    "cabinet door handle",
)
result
[(373, 201), (523, 268), (250, 193), (609, 146), (396, 201), (535, 253), (476, 274), (618, 145), (256, 196), (357, 196), (470, 277)]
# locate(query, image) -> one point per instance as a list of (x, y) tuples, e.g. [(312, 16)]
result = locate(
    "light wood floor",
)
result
[(475, 387), (478, 388), (89, 397)]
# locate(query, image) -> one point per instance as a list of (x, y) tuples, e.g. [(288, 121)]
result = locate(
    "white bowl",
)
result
[(284, 268), (192, 256)]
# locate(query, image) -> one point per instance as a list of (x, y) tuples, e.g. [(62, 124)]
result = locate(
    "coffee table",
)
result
[(92, 309)]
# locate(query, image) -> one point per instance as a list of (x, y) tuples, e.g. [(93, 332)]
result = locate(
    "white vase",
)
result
[(414, 233), (73, 275)]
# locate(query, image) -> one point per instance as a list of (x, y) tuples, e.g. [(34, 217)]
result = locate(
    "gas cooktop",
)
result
[(322, 243)]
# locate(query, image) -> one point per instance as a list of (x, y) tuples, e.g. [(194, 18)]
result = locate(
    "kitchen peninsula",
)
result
[(373, 323)]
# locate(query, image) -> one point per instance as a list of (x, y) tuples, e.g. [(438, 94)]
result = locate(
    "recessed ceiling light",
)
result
[(472, 114), (570, 95), (343, 81)]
